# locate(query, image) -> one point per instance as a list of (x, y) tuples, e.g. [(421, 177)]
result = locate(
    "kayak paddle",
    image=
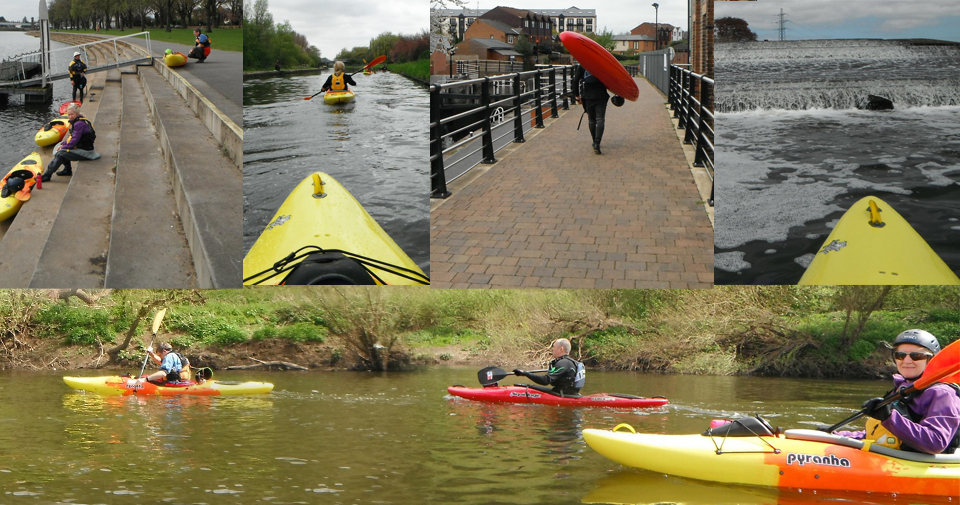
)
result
[(376, 61), (492, 375), (944, 367), (157, 319)]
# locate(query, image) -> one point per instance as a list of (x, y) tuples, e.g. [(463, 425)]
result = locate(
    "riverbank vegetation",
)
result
[(266, 43), (124, 14), (418, 70), (770, 330)]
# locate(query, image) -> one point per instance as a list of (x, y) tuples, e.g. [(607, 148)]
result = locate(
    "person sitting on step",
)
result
[(77, 147)]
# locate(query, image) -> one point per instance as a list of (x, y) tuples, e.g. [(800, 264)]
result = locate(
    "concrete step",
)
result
[(27, 234), (207, 185), (75, 252), (148, 248)]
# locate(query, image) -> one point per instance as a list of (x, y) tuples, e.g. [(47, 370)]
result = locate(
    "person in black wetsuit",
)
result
[(565, 374), (589, 91)]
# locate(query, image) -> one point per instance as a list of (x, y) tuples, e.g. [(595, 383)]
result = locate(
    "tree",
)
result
[(604, 38), (525, 48), (731, 29), (863, 300)]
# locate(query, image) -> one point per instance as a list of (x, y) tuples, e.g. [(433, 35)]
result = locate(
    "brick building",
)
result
[(456, 22)]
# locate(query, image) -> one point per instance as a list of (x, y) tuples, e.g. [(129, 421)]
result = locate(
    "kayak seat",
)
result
[(328, 268), (827, 438)]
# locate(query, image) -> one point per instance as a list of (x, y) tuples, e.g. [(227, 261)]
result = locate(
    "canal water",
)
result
[(794, 152), (20, 121), (378, 438), (375, 146)]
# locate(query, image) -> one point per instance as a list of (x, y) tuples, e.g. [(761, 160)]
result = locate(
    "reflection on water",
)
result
[(374, 438)]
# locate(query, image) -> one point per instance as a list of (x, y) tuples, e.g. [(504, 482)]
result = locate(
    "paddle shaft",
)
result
[(157, 319), (146, 356)]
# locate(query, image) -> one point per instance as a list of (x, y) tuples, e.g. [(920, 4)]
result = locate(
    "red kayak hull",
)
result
[(520, 394), (602, 64)]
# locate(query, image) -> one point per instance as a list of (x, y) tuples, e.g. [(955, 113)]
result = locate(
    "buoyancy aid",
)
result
[(338, 82), (86, 142)]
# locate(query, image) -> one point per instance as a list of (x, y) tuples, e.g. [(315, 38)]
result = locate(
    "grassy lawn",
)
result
[(229, 39)]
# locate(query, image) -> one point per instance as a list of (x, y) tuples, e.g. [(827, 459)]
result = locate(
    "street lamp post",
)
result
[(656, 40)]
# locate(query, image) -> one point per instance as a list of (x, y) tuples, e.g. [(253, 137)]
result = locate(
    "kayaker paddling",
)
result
[(925, 421), (566, 375), (170, 364), (338, 80)]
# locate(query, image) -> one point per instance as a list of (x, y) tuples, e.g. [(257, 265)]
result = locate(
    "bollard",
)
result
[(488, 156), (553, 93), (539, 100)]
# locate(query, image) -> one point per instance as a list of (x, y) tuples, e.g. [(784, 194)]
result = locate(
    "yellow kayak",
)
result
[(174, 60), (52, 132), (797, 459), (16, 186), (127, 386), (335, 97), (320, 213), (873, 244)]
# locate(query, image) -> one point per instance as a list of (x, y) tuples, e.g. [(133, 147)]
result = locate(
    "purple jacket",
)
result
[(940, 408), (79, 129)]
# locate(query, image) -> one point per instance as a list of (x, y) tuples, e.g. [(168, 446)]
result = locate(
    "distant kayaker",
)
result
[(201, 46), (565, 374), (338, 80), (277, 66), (78, 77), (77, 147), (589, 91), (170, 364), (925, 421)]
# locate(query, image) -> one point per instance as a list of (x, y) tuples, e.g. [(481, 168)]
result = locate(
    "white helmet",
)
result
[(76, 53)]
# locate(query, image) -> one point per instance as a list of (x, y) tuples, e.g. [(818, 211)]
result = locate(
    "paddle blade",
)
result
[(946, 363), (157, 319), (491, 375), (307, 98), (376, 61)]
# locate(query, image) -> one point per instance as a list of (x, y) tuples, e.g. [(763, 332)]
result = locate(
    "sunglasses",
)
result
[(915, 356)]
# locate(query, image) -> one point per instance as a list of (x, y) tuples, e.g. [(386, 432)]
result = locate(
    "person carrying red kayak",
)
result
[(924, 421), (338, 80), (566, 375), (77, 147)]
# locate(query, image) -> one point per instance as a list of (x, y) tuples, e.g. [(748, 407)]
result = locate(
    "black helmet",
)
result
[(617, 100), (918, 337)]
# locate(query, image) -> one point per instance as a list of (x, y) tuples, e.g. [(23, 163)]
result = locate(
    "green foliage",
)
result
[(265, 333), (205, 327), (416, 69), (302, 332), (77, 325), (604, 37), (266, 43)]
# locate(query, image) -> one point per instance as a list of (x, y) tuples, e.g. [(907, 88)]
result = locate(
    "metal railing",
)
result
[(453, 145), (688, 94), (60, 59)]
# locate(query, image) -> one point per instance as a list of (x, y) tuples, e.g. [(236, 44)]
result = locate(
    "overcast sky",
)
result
[(331, 26), (847, 19), (616, 15), (15, 10)]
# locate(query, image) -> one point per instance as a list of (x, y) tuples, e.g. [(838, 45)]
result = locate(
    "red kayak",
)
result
[(602, 64), (522, 394)]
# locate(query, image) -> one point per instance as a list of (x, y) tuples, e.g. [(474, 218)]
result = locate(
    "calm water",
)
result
[(375, 146), (794, 153), (19, 122), (345, 438)]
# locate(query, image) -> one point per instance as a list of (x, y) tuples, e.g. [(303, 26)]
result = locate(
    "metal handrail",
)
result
[(544, 93), (691, 98)]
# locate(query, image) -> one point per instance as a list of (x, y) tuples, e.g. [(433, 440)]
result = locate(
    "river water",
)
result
[(389, 438), (794, 152), (375, 146), (20, 121)]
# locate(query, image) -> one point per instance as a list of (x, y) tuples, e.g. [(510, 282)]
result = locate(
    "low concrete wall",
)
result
[(227, 133)]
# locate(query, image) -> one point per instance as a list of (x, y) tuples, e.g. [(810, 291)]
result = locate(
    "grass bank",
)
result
[(416, 70), (222, 39)]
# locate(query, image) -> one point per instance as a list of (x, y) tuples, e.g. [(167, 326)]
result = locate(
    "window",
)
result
[(526, 23), (509, 39), (589, 21), (636, 44)]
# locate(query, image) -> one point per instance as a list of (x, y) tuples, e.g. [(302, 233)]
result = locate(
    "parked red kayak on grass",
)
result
[(526, 394)]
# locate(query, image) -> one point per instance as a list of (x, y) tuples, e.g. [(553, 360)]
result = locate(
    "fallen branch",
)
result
[(279, 365)]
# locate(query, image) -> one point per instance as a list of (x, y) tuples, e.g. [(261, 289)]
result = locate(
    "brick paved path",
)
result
[(553, 214)]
